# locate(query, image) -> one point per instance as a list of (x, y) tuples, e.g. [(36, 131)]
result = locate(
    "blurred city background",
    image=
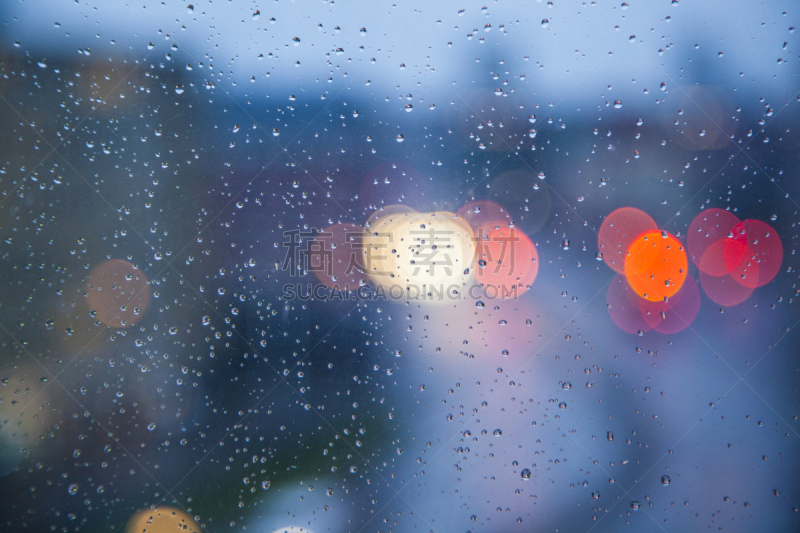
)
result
[(163, 149)]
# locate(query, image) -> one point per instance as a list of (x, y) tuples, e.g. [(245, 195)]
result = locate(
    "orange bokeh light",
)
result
[(655, 265), (618, 231), (118, 292)]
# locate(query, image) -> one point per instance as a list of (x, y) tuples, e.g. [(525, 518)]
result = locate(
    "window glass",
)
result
[(293, 266)]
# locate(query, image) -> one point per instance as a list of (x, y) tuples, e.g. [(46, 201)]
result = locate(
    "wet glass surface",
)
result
[(423, 266)]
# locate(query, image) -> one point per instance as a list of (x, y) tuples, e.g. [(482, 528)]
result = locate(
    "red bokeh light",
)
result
[(618, 231), (766, 247), (340, 254), (623, 306), (677, 313), (505, 259), (708, 227)]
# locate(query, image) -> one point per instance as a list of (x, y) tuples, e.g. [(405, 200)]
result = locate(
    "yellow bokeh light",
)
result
[(419, 254), (161, 520)]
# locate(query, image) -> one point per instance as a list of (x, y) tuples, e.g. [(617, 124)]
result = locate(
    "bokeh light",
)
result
[(624, 307), (161, 520), (118, 292), (618, 231), (766, 247), (728, 256), (484, 215), (419, 252), (386, 211), (506, 259), (677, 313), (656, 265), (724, 290), (708, 227), (723, 268), (339, 251)]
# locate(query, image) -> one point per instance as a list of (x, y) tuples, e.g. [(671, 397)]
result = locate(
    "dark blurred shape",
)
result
[(525, 197), (394, 183), (704, 119)]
